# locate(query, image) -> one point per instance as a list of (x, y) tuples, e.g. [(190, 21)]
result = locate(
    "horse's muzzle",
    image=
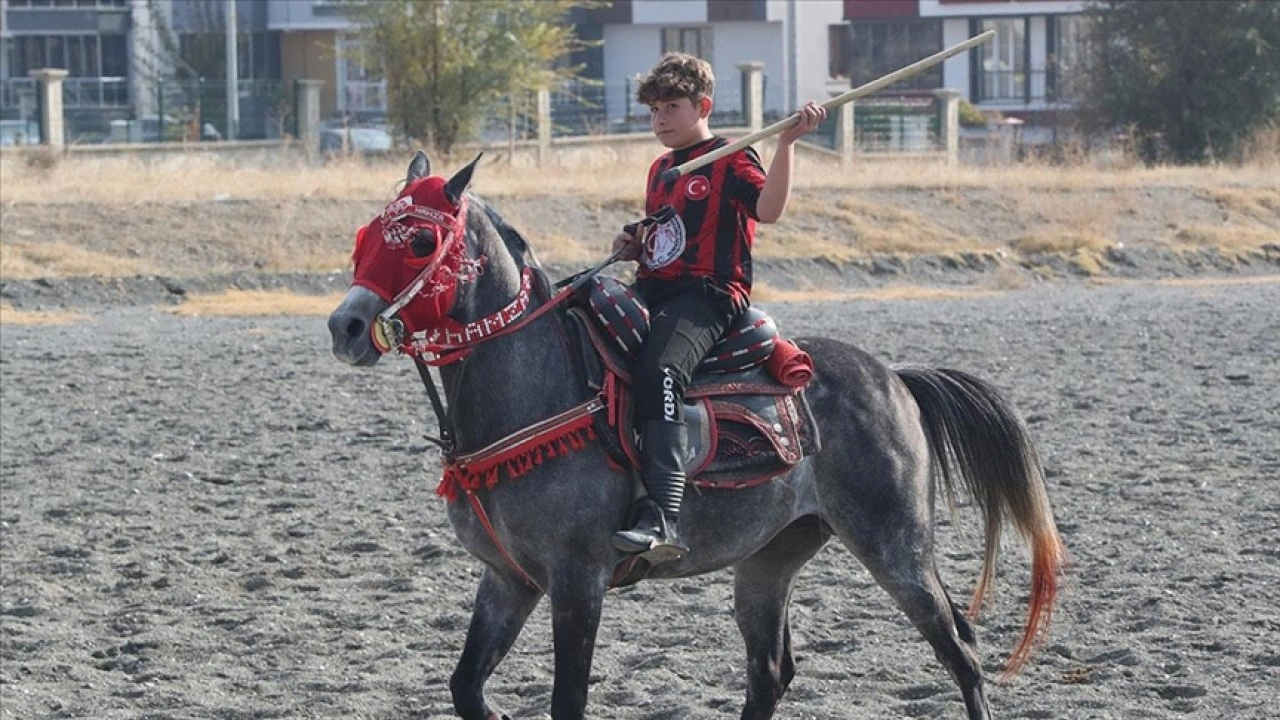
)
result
[(350, 327)]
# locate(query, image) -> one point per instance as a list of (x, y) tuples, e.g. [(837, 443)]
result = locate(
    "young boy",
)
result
[(694, 274)]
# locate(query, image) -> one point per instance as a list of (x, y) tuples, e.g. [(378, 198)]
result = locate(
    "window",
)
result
[(1067, 51), (1002, 71), (839, 50), (67, 3), (77, 54), (694, 41), (880, 48), (115, 56)]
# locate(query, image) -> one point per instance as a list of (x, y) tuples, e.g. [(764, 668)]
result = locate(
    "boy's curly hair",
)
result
[(677, 75)]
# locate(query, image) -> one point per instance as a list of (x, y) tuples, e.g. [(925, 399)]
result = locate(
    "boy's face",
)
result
[(680, 122)]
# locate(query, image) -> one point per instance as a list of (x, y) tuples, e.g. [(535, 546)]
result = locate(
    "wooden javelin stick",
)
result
[(831, 104)]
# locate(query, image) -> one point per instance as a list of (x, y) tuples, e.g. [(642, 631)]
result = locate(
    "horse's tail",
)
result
[(979, 441)]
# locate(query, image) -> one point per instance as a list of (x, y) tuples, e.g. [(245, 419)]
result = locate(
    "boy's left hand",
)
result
[(811, 116)]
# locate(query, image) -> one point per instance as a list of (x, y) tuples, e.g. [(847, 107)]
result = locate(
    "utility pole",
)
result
[(233, 71)]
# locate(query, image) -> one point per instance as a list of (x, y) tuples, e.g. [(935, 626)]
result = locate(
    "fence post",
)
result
[(846, 139), (544, 126), (307, 108), (949, 125), (49, 105), (752, 93)]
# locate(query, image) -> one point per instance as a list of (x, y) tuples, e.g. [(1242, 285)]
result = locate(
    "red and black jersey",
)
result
[(715, 222)]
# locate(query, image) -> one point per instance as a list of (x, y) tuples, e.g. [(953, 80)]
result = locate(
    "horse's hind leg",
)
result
[(931, 610), (893, 537), (762, 596), (502, 606)]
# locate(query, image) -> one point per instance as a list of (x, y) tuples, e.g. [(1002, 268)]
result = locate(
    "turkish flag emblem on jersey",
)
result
[(697, 188)]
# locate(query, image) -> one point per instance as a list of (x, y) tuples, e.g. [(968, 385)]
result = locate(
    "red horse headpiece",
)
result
[(414, 254)]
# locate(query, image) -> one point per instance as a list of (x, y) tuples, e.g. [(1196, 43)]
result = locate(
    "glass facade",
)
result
[(879, 48), (77, 4), (692, 40), (79, 55)]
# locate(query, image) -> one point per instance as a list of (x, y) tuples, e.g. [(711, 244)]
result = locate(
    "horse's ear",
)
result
[(459, 182), (419, 167)]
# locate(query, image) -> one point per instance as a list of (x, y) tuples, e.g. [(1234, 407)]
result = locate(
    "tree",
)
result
[(451, 63), (1192, 78)]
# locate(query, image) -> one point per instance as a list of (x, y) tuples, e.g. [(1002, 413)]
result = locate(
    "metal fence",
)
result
[(102, 109), (99, 110), (594, 108), (194, 110), (893, 123)]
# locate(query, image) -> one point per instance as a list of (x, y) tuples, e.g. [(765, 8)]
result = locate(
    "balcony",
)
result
[(77, 93), (1017, 88)]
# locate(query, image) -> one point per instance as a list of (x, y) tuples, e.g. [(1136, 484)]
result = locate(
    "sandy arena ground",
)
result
[(211, 518)]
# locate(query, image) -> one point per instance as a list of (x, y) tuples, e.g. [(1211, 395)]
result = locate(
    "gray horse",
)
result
[(891, 440)]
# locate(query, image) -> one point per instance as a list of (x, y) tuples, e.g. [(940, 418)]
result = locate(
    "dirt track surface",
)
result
[(211, 518)]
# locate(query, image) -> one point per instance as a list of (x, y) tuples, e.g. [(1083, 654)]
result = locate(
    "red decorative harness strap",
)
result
[(519, 452)]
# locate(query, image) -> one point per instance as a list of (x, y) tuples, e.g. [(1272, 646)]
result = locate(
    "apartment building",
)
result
[(1025, 72), (136, 58), (129, 59), (787, 36), (108, 48)]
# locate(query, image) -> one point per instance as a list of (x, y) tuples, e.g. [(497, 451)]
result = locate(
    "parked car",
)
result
[(359, 140), (19, 132)]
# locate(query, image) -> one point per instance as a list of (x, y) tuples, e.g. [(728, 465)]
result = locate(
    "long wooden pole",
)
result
[(831, 104)]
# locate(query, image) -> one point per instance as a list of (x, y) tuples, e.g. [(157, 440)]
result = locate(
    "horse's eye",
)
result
[(424, 243)]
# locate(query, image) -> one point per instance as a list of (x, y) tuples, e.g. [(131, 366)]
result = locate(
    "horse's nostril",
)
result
[(346, 327)]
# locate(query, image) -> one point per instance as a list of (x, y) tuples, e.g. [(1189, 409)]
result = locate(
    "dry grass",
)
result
[(20, 259), (256, 303), (1227, 237), (1261, 204), (1059, 240), (11, 316), (870, 228), (200, 213), (598, 171)]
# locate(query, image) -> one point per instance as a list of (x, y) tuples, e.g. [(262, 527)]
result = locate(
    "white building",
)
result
[(788, 36), (1024, 72)]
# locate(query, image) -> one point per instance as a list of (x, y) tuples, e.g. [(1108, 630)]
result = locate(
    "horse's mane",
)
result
[(516, 243)]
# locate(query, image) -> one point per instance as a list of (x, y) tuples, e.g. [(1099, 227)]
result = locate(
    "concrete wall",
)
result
[(630, 50), (812, 18), (742, 42), (792, 44), (669, 12), (311, 55), (955, 71), (303, 15), (995, 8)]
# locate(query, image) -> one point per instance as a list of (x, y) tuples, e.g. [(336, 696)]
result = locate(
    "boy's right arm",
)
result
[(777, 185)]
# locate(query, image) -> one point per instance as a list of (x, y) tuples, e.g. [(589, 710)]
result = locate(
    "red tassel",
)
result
[(517, 461)]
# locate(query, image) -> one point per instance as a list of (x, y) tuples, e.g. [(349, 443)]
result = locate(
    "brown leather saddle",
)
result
[(745, 427)]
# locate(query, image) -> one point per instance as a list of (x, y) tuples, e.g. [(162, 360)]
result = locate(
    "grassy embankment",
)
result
[(120, 216)]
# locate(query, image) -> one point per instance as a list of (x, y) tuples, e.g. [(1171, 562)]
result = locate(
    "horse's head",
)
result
[(409, 263)]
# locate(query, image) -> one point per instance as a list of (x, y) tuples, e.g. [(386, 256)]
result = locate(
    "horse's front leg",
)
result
[(502, 606), (577, 597)]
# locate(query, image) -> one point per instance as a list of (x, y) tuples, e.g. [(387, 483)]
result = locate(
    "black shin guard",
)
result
[(665, 445)]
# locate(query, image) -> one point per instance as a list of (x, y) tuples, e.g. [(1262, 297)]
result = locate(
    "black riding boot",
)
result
[(655, 534)]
